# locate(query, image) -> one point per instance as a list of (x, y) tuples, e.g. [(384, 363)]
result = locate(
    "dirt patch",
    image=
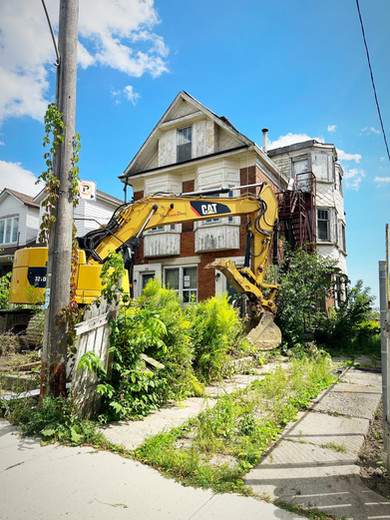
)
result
[(373, 472)]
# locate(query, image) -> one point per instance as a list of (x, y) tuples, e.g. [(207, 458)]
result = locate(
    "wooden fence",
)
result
[(92, 335)]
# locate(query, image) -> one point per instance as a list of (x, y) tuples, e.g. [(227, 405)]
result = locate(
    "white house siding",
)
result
[(32, 223), (11, 206), (98, 210), (225, 233), (166, 241)]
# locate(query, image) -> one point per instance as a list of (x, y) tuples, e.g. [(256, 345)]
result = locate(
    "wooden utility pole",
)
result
[(53, 375)]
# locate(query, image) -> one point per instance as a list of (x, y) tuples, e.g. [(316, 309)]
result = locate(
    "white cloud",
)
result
[(346, 156), (128, 93), (15, 177), (367, 130), (291, 138), (332, 128), (131, 94), (116, 34), (382, 180), (353, 177), (382, 158)]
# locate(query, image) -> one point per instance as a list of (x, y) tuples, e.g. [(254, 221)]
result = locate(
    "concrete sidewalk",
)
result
[(132, 434), (314, 464), (56, 482)]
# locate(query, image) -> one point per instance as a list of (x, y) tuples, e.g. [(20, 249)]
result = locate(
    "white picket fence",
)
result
[(92, 335)]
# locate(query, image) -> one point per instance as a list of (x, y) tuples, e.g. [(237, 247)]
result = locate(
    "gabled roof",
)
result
[(22, 197), (199, 108)]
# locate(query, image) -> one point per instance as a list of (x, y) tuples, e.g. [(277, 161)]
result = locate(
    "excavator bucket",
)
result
[(266, 335)]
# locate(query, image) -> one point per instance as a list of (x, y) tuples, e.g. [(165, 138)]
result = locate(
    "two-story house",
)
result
[(193, 149), (19, 218)]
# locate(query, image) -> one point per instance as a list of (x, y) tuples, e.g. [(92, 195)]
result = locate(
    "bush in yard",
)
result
[(154, 326), (5, 282), (177, 358), (351, 325), (305, 281), (216, 331)]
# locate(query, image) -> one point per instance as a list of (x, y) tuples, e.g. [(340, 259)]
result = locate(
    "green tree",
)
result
[(305, 282)]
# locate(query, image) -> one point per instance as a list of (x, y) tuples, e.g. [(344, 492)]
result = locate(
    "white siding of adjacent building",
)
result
[(28, 218)]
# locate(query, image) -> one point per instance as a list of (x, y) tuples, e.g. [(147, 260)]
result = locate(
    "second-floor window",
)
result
[(9, 228), (184, 144), (343, 239), (323, 224)]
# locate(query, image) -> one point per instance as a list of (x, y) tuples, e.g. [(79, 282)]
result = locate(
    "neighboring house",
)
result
[(88, 214), (19, 218), (312, 159), (192, 149)]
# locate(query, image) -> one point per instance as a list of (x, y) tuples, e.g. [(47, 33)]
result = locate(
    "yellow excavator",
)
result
[(125, 229)]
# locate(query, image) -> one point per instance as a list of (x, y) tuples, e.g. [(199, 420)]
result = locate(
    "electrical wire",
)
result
[(372, 79), (52, 33)]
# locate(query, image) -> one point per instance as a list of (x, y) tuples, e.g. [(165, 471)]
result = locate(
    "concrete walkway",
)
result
[(132, 434), (315, 462), (56, 482)]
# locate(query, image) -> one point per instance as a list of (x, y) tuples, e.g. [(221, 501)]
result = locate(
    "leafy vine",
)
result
[(53, 138)]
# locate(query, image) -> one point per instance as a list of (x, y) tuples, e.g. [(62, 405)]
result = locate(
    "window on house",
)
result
[(9, 228), (340, 183), (300, 165), (343, 238), (323, 224), (184, 144), (183, 280), (159, 229)]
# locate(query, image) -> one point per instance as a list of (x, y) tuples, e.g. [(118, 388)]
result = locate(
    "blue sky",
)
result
[(294, 66)]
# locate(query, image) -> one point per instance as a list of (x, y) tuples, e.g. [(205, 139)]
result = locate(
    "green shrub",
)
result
[(177, 357), (155, 326), (5, 283), (216, 331), (350, 327), (55, 419), (305, 281)]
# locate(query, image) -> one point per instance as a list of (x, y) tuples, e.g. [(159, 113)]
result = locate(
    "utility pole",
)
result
[(53, 374)]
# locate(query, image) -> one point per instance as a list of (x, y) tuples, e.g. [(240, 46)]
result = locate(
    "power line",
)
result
[(52, 33), (372, 79)]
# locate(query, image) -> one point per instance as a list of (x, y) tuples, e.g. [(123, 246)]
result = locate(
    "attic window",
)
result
[(184, 144)]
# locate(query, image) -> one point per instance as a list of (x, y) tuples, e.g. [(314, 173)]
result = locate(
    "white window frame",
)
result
[(11, 218), (178, 131), (329, 210), (181, 279)]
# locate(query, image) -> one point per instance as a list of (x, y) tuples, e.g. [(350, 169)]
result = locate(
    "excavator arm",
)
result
[(129, 223)]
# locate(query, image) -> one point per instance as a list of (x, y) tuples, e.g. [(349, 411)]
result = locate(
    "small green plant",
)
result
[(5, 283), (335, 446), (54, 419)]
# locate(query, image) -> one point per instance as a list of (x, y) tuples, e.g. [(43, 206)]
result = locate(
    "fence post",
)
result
[(385, 357)]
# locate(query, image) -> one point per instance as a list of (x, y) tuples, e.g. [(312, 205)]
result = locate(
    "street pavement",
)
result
[(80, 483)]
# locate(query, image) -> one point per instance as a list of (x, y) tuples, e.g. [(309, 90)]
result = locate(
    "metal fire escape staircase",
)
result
[(297, 212)]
